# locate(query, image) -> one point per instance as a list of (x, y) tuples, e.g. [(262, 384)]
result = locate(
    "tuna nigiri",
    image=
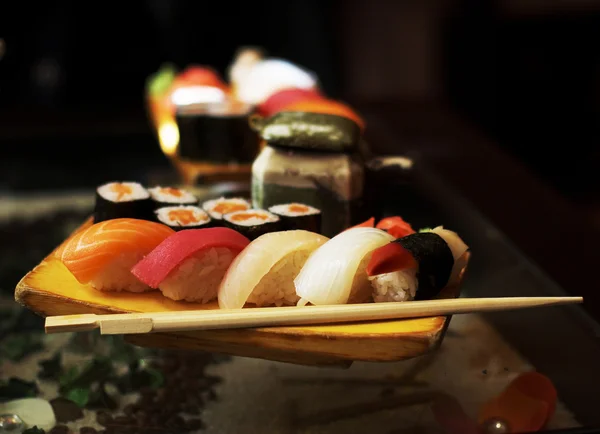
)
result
[(103, 254), (264, 272), (335, 273), (190, 264)]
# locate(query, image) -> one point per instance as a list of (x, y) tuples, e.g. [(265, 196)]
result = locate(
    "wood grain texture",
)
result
[(50, 289)]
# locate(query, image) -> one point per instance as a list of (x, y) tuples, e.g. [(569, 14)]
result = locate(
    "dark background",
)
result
[(504, 96), (525, 72)]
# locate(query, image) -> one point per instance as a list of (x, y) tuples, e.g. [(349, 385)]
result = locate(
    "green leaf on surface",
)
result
[(16, 388), (98, 369), (17, 346), (79, 396), (34, 430), (68, 377), (100, 399)]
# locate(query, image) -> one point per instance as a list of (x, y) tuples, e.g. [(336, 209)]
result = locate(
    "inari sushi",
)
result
[(103, 254), (190, 264), (170, 196), (183, 217), (435, 257), (253, 222), (298, 216), (216, 208), (263, 274), (335, 272), (122, 200)]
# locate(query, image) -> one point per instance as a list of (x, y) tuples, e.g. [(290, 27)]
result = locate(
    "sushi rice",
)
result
[(396, 286), (216, 208), (198, 277), (123, 191), (172, 195), (116, 275)]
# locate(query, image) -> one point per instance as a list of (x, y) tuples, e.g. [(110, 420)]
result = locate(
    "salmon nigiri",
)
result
[(103, 254)]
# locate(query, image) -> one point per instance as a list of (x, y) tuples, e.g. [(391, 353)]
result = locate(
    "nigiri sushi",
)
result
[(103, 254), (190, 264), (263, 274), (335, 273), (437, 256)]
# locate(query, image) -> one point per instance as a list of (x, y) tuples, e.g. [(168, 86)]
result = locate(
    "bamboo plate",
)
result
[(50, 289)]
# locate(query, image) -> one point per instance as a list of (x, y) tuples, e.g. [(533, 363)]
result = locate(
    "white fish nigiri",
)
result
[(263, 273), (335, 272)]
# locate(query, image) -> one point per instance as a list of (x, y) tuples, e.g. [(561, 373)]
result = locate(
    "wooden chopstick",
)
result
[(132, 323)]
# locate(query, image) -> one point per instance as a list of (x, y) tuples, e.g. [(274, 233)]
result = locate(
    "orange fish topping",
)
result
[(295, 207), (172, 191), (248, 216), (121, 190), (227, 207), (183, 216)]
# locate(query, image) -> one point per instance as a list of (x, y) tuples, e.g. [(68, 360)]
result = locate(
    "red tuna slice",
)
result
[(285, 97), (389, 258), (157, 265)]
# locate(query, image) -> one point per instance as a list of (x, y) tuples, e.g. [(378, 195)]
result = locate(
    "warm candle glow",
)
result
[(168, 136)]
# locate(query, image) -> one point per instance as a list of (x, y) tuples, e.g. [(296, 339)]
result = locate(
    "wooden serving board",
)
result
[(50, 289)]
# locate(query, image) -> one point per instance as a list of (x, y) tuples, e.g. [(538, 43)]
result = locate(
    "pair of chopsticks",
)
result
[(134, 323)]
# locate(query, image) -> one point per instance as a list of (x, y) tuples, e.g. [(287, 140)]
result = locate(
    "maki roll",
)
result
[(217, 208), (252, 223), (122, 200), (170, 196), (182, 217), (298, 216), (436, 257)]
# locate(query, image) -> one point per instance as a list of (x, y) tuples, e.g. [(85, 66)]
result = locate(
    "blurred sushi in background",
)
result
[(254, 77)]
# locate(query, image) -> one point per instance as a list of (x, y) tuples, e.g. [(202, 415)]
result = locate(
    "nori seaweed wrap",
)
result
[(298, 216), (435, 262), (122, 200), (252, 223), (308, 131)]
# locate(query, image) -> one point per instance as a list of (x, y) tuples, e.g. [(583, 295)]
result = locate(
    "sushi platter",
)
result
[(58, 287), (311, 244)]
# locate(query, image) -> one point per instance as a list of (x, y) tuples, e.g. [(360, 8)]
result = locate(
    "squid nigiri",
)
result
[(335, 273), (190, 264), (103, 254), (263, 273)]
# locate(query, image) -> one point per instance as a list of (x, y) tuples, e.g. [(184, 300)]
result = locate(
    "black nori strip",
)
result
[(255, 231), (307, 222), (435, 262), (136, 209)]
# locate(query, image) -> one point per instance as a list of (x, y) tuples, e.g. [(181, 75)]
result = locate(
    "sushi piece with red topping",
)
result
[(190, 264)]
